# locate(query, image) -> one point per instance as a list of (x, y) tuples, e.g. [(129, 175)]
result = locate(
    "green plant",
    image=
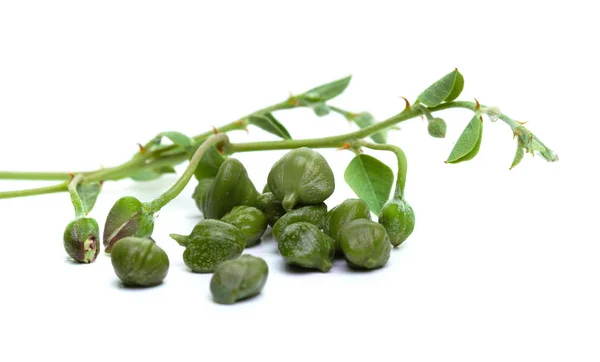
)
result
[(298, 183)]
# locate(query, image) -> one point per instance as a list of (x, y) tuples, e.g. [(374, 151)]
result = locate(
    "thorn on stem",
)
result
[(71, 175), (522, 123), (142, 148), (406, 105), (477, 105), (215, 130), (346, 146)]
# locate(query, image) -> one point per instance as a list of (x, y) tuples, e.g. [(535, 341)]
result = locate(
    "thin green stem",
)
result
[(178, 186), (343, 112), (42, 176), (75, 199), (402, 163), (61, 187), (425, 111)]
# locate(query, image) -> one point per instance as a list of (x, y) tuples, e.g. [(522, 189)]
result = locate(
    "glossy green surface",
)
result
[(210, 243), (81, 240), (266, 189), (139, 262), (272, 207), (200, 192), (398, 218), (232, 187), (301, 177), (238, 279), (303, 244), (313, 214), (365, 244), (250, 221), (126, 218), (344, 213)]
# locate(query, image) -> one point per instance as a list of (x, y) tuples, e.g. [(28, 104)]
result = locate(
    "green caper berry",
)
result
[(139, 262), (81, 239), (272, 207), (210, 243), (365, 244), (250, 221), (314, 214), (303, 244), (238, 279)]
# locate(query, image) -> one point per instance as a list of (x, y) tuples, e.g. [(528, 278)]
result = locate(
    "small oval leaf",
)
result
[(327, 91), (518, 155), (88, 192), (177, 138), (366, 119), (371, 180), (268, 123), (468, 143), (447, 89)]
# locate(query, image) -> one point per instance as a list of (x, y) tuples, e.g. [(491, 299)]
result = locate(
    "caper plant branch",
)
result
[(137, 163), (408, 113), (75, 199), (140, 159), (402, 163), (183, 180)]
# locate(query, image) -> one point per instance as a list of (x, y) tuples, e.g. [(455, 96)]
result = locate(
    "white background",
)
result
[(502, 266)]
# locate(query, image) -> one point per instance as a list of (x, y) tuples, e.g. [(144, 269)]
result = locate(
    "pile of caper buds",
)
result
[(236, 216)]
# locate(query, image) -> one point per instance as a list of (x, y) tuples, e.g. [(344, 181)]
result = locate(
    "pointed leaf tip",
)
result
[(370, 179), (269, 123), (467, 145), (447, 89)]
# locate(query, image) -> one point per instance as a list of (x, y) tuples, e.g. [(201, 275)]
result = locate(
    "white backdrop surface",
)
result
[(502, 265)]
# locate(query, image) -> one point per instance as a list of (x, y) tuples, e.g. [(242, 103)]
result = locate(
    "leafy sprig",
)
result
[(370, 179)]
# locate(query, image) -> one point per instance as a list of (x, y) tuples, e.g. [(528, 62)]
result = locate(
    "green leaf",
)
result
[(447, 89), (152, 174), (518, 155), (371, 180), (268, 123), (468, 143), (166, 169), (177, 138), (88, 192), (327, 91), (366, 119), (209, 164)]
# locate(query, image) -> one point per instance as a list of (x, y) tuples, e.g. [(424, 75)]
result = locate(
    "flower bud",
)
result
[(437, 128), (81, 239), (128, 217)]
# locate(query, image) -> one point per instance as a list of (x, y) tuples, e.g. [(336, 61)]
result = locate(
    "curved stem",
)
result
[(402, 164), (75, 199), (61, 187), (178, 186)]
